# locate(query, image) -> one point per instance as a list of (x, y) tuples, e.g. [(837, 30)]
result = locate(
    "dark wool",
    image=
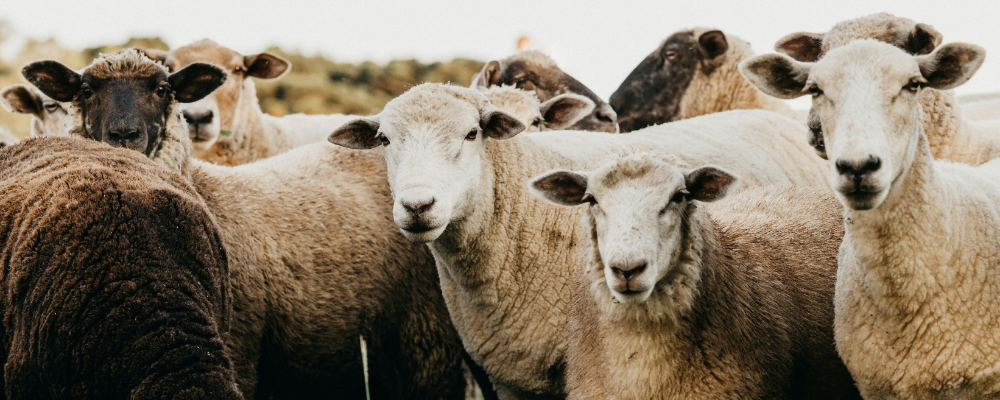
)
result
[(115, 282)]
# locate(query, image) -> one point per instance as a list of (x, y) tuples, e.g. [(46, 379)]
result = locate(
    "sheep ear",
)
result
[(497, 124), (360, 134), (489, 76), (713, 44), (565, 110), (923, 40), (801, 46), (54, 79), (195, 81), (159, 56), (776, 74), (20, 99), (560, 187), (266, 66), (951, 65), (708, 183)]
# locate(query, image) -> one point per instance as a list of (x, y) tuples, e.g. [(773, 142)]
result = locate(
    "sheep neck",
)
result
[(950, 135), (505, 269), (899, 244), (722, 88)]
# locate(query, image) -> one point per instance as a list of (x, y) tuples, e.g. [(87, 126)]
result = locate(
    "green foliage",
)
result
[(315, 85)]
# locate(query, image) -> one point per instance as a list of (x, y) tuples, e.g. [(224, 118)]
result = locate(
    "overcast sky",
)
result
[(599, 42)]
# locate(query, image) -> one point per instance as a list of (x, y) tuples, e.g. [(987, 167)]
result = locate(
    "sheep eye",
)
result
[(472, 135), (671, 55), (589, 198), (679, 196), (161, 91), (815, 91), (914, 86), (51, 107), (385, 142), (536, 122), (87, 92)]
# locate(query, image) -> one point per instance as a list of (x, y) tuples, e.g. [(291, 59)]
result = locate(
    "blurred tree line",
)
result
[(315, 85)]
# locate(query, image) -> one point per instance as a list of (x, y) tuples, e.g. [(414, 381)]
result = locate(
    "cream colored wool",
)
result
[(722, 88), (743, 310), (508, 262)]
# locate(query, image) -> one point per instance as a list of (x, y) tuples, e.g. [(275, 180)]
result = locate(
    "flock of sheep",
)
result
[(725, 247)]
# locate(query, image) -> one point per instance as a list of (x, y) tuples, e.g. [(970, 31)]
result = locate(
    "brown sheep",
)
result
[(114, 277), (315, 259), (735, 301)]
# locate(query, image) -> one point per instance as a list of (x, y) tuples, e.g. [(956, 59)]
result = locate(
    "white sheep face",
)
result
[(638, 209), (49, 117), (867, 97), (433, 139)]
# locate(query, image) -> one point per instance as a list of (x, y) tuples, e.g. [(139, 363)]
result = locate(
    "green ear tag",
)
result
[(226, 133)]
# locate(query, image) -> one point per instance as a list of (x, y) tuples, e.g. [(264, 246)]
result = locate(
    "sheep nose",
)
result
[(626, 272), (198, 118), (418, 208), (607, 114), (856, 170), (124, 134)]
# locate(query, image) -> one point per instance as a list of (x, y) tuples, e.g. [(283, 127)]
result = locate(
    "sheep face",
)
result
[(124, 99), (866, 96), (535, 71), (652, 92), (50, 117), (209, 117), (433, 141), (638, 211), (559, 112)]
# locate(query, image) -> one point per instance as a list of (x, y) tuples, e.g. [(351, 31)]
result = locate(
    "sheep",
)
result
[(952, 137), (917, 300), (559, 112), (678, 303), (504, 263), (693, 72), (49, 117), (535, 70), (315, 261), (228, 127), (115, 279)]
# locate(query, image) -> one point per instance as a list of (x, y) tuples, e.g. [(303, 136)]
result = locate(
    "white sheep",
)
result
[(48, 117), (951, 136), (314, 260), (693, 72), (918, 285), (228, 126), (536, 71), (559, 112), (679, 303), (506, 261)]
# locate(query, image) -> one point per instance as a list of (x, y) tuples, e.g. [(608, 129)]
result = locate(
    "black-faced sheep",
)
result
[(114, 277), (677, 302), (315, 261)]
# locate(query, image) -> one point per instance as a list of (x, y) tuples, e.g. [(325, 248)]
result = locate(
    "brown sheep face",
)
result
[(652, 92), (216, 113), (638, 210), (532, 70), (125, 102)]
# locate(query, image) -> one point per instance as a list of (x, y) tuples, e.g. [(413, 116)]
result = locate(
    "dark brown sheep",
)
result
[(115, 282)]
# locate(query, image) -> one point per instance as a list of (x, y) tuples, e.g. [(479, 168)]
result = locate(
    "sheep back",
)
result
[(115, 282)]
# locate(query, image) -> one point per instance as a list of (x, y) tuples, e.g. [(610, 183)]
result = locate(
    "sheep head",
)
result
[(49, 117)]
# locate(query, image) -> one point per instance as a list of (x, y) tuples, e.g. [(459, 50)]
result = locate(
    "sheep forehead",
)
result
[(648, 174), (204, 51), (128, 63), (884, 27), (523, 104), (865, 60), (433, 109), (536, 57)]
